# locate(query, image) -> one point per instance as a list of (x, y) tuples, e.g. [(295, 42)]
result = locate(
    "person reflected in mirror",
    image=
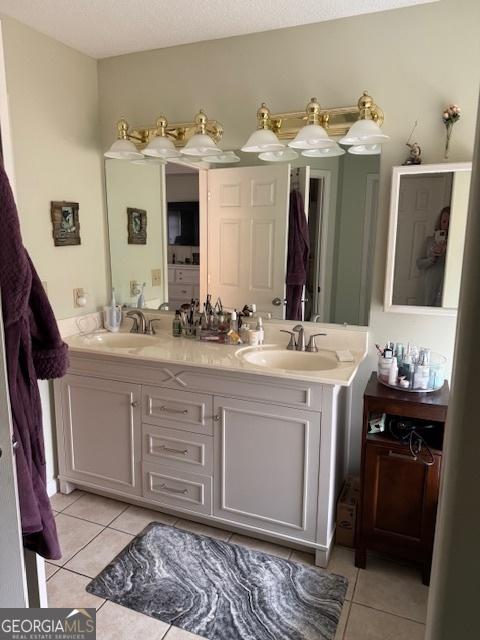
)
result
[(432, 261)]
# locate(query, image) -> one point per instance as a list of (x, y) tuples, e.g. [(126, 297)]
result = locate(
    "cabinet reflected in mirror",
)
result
[(427, 232), (296, 240)]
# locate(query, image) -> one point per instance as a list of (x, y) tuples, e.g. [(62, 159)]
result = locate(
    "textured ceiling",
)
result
[(103, 28)]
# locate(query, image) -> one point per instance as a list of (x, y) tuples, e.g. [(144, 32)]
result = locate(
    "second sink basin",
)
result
[(121, 340), (276, 358)]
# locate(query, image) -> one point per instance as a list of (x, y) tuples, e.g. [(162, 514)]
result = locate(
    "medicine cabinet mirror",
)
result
[(428, 213), (226, 230)]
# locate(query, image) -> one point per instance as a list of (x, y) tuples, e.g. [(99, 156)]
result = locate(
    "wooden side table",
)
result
[(399, 490)]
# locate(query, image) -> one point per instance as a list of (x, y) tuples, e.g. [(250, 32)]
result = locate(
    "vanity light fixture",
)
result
[(201, 144), (365, 135), (263, 139), (166, 140), (226, 157), (123, 148), (312, 130), (283, 155), (161, 146), (329, 152), (313, 135)]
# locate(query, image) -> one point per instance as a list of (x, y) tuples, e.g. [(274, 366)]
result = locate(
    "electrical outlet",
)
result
[(79, 299), (134, 288), (156, 277)]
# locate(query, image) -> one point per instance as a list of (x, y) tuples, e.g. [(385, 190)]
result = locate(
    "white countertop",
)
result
[(163, 347)]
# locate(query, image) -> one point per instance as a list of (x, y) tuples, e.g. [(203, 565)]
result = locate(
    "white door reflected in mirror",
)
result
[(428, 212)]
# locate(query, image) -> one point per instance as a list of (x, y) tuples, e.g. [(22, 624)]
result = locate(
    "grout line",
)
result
[(166, 633), (396, 615), (84, 546), (66, 494), (349, 602), (102, 605)]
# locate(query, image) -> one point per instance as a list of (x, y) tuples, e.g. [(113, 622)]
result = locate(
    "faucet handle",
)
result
[(150, 329), (312, 345), (132, 315), (292, 345)]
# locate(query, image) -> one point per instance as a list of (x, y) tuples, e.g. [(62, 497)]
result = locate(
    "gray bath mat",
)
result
[(221, 591)]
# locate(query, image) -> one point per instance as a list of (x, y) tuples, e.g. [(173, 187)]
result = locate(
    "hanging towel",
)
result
[(297, 258), (34, 350)]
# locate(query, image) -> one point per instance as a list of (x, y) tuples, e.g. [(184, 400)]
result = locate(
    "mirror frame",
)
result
[(397, 173)]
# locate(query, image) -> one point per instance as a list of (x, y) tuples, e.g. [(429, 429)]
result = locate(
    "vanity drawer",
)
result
[(179, 409), (180, 292), (174, 488), (187, 276), (178, 449)]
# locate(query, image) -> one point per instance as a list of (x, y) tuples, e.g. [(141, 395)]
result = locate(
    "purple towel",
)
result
[(297, 258), (34, 350)]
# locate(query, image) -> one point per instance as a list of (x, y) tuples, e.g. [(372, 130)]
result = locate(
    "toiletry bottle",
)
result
[(177, 325), (393, 373), (234, 321), (141, 298), (260, 330), (113, 315)]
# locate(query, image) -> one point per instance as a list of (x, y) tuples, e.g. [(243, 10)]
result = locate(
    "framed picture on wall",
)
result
[(136, 225), (65, 222)]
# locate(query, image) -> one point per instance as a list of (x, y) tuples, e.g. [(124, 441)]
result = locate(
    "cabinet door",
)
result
[(102, 432), (266, 466), (400, 501)]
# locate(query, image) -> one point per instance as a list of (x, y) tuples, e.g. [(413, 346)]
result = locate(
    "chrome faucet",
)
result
[(299, 345), (139, 321), (301, 337)]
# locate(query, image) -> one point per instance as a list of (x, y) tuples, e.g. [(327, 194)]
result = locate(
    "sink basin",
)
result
[(121, 340), (276, 358)]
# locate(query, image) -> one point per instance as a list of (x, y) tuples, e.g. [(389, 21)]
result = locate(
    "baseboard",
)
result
[(52, 487)]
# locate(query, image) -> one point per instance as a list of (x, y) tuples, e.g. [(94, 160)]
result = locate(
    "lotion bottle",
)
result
[(393, 373)]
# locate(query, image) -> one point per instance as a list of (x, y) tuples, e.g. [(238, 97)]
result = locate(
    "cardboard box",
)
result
[(347, 512)]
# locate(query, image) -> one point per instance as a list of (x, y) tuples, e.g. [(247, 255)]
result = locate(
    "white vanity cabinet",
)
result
[(251, 452), (266, 466), (102, 432)]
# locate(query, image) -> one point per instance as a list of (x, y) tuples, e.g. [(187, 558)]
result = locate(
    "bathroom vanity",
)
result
[(207, 432)]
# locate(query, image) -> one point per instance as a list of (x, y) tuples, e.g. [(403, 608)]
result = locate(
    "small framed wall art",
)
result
[(137, 225), (65, 222)]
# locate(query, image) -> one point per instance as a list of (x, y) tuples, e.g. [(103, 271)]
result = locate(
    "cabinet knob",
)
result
[(216, 418), (134, 403)]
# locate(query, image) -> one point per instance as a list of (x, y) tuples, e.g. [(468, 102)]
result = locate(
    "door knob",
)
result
[(277, 302)]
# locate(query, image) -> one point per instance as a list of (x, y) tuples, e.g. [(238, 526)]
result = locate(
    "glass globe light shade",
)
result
[(227, 157), (123, 150), (161, 147), (364, 132), (329, 152), (200, 144), (365, 149), (262, 140), (312, 136), (282, 155)]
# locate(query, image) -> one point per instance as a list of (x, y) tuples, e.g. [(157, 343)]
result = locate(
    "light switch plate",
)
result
[(156, 277)]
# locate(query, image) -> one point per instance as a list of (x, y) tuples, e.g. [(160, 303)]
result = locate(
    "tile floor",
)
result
[(385, 602)]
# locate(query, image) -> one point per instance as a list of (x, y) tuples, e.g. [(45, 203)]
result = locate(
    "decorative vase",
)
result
[(449, 126)]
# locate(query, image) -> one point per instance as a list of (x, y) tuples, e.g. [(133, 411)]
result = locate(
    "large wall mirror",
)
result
[(239, 232), (428, 213)]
